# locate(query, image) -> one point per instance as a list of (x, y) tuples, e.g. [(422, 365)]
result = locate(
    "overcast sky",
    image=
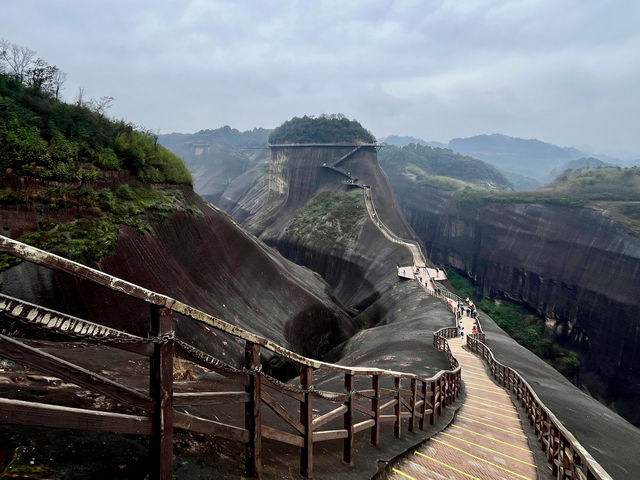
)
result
[(566, 72)]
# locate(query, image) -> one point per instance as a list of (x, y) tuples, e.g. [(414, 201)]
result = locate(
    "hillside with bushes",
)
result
[(57, 157), (440, 167), (42, 137), (615, 191)]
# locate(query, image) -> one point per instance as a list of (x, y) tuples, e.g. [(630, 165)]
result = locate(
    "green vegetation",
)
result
[(330, 218), (436, 181), (476, 197), (42, 137), (322, 129), (600, 184), (428, 163), (38, 453), (55, 156), (87, 239), (613, 190), (523, 325)]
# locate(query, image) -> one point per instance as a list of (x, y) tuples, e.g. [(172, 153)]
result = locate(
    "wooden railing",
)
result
[(569, 459), (387, 232), (297, 415)]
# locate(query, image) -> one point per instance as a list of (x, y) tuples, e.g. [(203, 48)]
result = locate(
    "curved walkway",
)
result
[(418, 258), (485, 441)]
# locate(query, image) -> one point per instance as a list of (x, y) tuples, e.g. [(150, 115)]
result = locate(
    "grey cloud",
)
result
[(559, 70)]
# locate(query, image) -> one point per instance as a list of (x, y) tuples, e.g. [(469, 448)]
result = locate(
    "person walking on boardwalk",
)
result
[(461, 328)]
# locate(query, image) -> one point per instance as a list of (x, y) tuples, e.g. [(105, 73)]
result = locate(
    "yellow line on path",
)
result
[(492, 426), (447, 465), (495, 407), (487, 386), (475, 368), (489, 449), (501, 423), (478, 389), (479, 376), (399, 472), (481, 459), (475, 375), (497, 403), (491, 438), (491, 412)]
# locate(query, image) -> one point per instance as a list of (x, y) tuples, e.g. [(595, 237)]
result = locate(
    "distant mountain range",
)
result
[(526, 163), (217, 157)]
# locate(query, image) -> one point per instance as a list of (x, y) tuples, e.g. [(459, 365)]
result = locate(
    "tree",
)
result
[(101, 105), (80, 97), (16, 59), (59, 78)]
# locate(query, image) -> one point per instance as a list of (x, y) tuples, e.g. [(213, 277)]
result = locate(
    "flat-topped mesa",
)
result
[(311, 154)]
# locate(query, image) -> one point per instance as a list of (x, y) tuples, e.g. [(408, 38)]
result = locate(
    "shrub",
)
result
[(322, 129)]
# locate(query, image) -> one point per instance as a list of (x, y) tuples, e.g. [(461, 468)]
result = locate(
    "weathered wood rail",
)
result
[(569, 459), (371, 396)]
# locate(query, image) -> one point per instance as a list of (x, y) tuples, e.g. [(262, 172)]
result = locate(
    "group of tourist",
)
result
[(468, 309), (474, 329)]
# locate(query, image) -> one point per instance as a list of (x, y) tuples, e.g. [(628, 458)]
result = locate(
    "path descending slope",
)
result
[(414, 248), (485, 441)]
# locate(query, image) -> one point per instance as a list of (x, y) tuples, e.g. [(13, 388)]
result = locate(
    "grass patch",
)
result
[(614, 191), (475, 197), (523, 325), (436, 181), (330, 218)]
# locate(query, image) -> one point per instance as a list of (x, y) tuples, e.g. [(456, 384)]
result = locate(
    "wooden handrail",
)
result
[(55, 262), (543, 419), (412, 404)]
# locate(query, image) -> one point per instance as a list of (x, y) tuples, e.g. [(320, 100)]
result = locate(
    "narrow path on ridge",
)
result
[(418, 258), (486, 439)]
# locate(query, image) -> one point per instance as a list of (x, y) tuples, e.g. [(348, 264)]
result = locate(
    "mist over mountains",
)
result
[(527, 163)]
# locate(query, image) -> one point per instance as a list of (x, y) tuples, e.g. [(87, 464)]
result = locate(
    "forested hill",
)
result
[(427, 164), (78, 173), (323, 129)]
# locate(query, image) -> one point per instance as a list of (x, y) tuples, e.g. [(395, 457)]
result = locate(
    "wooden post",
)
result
[(423, 408), (432, 417), (252, 412), (161, 392), (440, 395), (446, 388), (348, 420), (397, 426), (412, 404), (306, 418), (375, 407)]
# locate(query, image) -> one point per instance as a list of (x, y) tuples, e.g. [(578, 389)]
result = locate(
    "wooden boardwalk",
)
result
[(485, 441)]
